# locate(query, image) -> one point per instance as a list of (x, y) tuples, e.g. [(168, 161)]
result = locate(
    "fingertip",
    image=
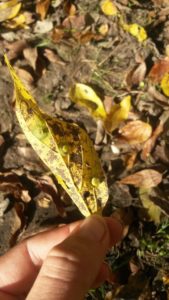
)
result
[(115, 230)]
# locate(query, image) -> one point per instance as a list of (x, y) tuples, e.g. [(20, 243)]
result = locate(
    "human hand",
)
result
[(59, 264)]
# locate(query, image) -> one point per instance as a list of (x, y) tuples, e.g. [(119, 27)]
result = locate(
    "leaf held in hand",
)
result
[(144, 179), (9, 9), (86, 96), (165, 84), (153, 210), (108, 8), (66, 150), (119, 112), (136, 132)]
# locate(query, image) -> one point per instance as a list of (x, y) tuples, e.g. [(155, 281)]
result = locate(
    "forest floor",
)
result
[(119, 48)]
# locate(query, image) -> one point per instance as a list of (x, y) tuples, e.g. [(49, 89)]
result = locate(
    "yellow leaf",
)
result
[(165, 84), (153, 210), (86, 96), (108, 8), (119, 112), (103, 29), (9, 10), (135, 30), (19, 21), (66, 150)]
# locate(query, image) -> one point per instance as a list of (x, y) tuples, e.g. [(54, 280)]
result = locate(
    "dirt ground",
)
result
[(54, 47)]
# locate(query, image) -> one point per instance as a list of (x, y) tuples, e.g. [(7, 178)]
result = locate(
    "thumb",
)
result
[(71, 267)]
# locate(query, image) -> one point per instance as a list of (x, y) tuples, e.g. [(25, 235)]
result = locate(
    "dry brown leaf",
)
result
[(69, 8), (131, 159), (57, 35), (158, 70), (150, 143), (42, 7), (136, 132), (153, 92), (89, 36), (74, 22), (26, 77), (52, 57), (136, 75), (15, 48), (31, 55), (144, 179)]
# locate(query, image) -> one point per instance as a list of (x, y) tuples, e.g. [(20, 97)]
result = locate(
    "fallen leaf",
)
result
[(131, 159), (69, 8), (119, 112), (57, 35), (19, 21), (103, 29), (86, 37), (84, 95), (52, 57), (153, 210), (108, 8), (135, 30), (43, 26), (42, 7), (144, 179), (66, 150), (136, 132), (16, 48), (165, 84), (153, 92), (27, 78), (137, 75), (74, 22), (159, 69), (9, 9), (150, 143), (31, 55)]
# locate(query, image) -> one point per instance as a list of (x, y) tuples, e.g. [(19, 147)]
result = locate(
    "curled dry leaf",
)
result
[(42, 7), (137, 75), (108, 8), (31, 55), (144, 179), (86, 96), (66, 150), (118, 113), (136, 132), (150, 143), (9, 9)]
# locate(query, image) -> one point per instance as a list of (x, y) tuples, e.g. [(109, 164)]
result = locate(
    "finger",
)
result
[(20, 266), (71, 268)]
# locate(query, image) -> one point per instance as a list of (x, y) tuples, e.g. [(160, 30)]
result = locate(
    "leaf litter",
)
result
[(118, 51)]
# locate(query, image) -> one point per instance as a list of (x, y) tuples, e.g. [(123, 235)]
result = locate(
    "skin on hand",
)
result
[(61, 263)]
